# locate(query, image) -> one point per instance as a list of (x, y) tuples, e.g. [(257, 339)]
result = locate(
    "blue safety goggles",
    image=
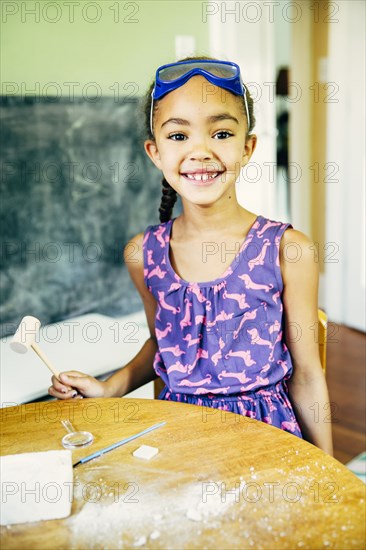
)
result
[(223, 74)]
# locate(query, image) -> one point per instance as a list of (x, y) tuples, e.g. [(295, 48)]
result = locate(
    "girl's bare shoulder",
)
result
[(295, 238), (298, 254), (133, 251)]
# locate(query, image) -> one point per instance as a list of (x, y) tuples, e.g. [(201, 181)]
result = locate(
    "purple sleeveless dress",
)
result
[(221, 342)]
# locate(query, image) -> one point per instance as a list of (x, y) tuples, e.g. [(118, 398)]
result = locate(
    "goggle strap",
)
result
[(151, 112), (246, 106)]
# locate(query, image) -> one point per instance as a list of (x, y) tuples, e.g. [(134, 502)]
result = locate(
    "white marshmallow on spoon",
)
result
[(25, 339)]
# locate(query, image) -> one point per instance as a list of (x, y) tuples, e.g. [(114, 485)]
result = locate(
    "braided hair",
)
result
[(168, 200), (169, 195)]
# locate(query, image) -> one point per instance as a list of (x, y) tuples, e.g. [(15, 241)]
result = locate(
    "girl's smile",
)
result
[(202, 177)]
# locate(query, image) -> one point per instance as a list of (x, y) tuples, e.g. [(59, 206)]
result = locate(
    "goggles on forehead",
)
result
[(223, 74)]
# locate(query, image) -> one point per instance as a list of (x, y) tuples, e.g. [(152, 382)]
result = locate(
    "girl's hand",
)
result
[(76, 384)]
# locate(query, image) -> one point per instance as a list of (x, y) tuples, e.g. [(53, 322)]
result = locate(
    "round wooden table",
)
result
[(219, 481)]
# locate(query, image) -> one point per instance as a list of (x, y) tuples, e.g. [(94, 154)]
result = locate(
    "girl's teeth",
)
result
[(202, 177)]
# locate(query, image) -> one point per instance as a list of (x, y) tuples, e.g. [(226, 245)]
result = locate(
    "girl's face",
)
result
[(200, 144)]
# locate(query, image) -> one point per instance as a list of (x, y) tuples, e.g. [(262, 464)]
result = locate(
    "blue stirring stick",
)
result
[(118, 444)]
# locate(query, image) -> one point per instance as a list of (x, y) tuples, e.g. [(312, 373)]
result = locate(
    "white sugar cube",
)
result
[(36, 486), (146, 452)]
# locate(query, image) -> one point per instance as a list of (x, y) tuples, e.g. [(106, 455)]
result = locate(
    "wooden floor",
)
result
[(346, 359)]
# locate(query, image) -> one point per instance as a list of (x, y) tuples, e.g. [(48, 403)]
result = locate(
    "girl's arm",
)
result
[(307, 386), (139, 370)]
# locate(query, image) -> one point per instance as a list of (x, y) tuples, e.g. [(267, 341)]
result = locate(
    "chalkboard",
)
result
[(76, 184)]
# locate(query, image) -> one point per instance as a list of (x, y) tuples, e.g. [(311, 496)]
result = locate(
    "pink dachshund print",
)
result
[(241, 376), (259, 381), (188, 369), (222, 316), (240, 298), (176, 351), (256, 339), (177, 367), (165, 305), (159, 235), (266, 226), (259, 260), (218, 355), (265, 368), (275, 327), (245, 355), (248, 316), (163, 333), (157, 272), (206, 380), (186, 321), (250, 284), (174, 286), (192, 341), (150, 260), (195, 289)]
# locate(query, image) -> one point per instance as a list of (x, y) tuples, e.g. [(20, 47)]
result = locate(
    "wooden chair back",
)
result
[(322, 337)]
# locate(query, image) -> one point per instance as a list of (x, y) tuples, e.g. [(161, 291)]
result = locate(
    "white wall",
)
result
[(282, 36), (345, 201), (300, 123)]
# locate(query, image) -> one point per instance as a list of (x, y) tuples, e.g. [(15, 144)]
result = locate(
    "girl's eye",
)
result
[(223, 134), (177, 137)]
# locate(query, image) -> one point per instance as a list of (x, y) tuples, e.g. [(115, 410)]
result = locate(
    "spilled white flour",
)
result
[(144, 516), (261, 509)]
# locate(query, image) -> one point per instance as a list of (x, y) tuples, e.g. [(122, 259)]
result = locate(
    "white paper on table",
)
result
[(36, 486)]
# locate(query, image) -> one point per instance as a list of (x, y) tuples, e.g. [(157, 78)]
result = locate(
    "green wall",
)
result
[(125, 44)]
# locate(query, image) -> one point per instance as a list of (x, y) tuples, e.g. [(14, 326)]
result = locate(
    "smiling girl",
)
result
[(229, 311)]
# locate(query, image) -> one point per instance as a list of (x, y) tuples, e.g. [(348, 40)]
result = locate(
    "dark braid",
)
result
[(168, 200)]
